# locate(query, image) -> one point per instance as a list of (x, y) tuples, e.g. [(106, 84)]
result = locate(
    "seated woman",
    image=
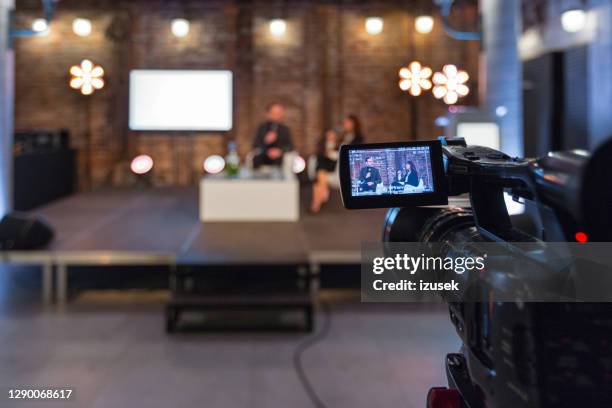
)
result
[(351, 130), (410, 176), (327, 158)]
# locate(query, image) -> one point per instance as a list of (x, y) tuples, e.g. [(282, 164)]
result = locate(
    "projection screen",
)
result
[(180, 100)]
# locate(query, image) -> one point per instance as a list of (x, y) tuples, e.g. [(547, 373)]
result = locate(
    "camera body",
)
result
[(570, 190), (514, 354)]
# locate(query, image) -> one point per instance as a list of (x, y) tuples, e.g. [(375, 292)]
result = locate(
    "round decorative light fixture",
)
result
[(415, 78), (40, 25), (214, 164), (573, 20), (87, 77), (374, 25), (180, 27), (141, 164), (450, 84), (424, 24), (278, 27), (81, 27)]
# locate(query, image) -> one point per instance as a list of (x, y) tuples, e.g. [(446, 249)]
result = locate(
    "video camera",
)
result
[(514, 354)]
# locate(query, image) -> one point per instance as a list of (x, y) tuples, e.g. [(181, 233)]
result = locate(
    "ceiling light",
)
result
[(180, 27), (424, 24), (40, 25), (374, 25), (81, 27), (278, 26)]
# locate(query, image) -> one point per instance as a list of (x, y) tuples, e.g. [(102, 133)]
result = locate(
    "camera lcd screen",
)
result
[(402, 170), (392, 174)]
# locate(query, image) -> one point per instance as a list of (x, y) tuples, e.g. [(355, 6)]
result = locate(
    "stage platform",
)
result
[(160, 226)]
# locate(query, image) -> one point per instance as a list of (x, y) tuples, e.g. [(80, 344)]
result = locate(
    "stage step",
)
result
[(215, 291), (259, 300)]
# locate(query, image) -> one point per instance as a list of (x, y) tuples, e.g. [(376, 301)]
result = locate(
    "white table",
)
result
[(247, 199)]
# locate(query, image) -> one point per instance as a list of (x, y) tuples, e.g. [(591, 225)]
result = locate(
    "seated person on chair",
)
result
[(272, 139), (369, 176), (327, 159), (351, 131), (410, 176)]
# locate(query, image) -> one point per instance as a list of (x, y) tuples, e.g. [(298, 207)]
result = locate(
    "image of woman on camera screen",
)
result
[(410, 175)]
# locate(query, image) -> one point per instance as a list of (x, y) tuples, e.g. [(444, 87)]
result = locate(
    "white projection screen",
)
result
[(180, 100)]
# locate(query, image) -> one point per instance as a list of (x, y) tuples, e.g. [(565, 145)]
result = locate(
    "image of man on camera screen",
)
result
[(369, 176)]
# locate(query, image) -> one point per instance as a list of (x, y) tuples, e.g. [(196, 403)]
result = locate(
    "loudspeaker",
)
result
[(37, 141), (23, 231)]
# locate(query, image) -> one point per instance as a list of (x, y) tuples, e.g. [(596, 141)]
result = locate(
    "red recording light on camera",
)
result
[(581, 237), (442, 397)]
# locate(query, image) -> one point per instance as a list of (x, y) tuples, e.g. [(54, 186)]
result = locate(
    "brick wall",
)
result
[(326, 66)]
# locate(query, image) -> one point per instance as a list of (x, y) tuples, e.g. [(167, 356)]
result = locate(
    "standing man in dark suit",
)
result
[(272, 139), (369, 176)]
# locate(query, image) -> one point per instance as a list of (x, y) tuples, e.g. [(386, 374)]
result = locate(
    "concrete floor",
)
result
[(117, 355)]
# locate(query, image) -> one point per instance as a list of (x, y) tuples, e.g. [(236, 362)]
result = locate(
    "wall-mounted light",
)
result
[(179, 27), (415, 78), (81, 27), (141, 164), (424, 24), (374, 25), (87, 77), (40, 25), (450, 84), (573, 20), (278, 27)]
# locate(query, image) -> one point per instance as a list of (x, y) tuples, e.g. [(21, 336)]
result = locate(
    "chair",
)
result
[(333, 179), (408, 189), (286, 167)]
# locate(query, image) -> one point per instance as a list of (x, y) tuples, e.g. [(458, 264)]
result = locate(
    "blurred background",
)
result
[(149, 259)]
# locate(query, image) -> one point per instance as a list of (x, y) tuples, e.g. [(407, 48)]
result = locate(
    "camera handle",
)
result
[(490, 213)]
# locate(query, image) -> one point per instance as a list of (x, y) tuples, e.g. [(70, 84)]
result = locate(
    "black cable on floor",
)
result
[(305, 345)]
